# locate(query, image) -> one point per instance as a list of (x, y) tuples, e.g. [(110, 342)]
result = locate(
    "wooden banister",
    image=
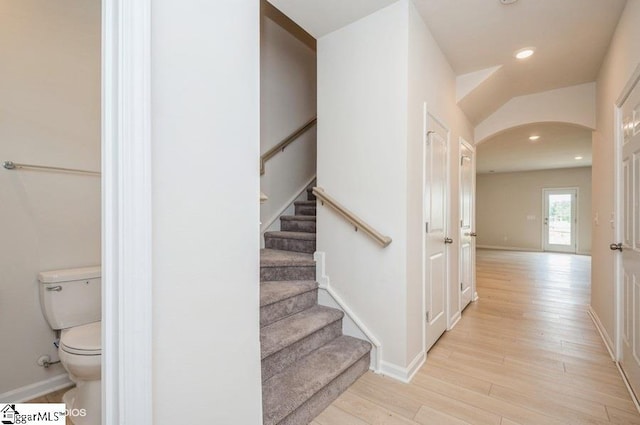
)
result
[(351, 217), (286, 142)]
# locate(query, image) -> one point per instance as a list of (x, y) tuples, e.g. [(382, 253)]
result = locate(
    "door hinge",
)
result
[(427, 227), (461, 286), (461, 223), (427, 317)]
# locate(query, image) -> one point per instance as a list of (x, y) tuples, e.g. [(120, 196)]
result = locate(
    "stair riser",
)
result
[(281, 309), (305, 210), (285, 244), (288, 273), (278, 361), (305, 226), (323, 398), (310, 195)]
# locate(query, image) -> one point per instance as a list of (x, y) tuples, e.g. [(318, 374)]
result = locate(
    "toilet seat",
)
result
[(85, 340)]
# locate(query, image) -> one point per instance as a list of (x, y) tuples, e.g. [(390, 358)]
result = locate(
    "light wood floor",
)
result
[(54, 397), (525, 353)]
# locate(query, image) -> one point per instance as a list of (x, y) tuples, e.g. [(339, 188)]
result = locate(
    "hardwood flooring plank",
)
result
[(435, 400), (525, 353), (428, 416), (368, 411), (544, 405), (385, 394), (333, 415), (486, 403), (621, 417)]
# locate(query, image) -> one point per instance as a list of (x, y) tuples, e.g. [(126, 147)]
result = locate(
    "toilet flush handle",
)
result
[(56, 288)]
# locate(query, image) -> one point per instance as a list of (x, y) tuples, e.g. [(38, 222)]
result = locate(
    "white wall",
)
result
[(622, 58), (574, 104), (288, 100), (206, 128), (510, 205), (373, 77), (431, 79), (362, 101), (50, 115)]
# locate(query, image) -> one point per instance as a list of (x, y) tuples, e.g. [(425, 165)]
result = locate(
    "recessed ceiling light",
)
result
[(508, 1), (534, 138), (524, 53), (578, 157)]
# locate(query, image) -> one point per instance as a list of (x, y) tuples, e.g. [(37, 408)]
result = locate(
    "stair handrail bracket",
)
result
[(286, 142), (356, 221)]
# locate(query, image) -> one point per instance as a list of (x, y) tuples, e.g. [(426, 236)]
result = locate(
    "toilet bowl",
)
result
[(70, 301), (80, 353)]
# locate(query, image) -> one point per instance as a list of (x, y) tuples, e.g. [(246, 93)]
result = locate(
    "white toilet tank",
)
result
[(71, 297)]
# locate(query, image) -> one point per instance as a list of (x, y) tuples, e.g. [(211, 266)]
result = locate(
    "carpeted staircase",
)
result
[(306, 361)]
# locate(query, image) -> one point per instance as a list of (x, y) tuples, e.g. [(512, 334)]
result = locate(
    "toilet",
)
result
[(71, 303)]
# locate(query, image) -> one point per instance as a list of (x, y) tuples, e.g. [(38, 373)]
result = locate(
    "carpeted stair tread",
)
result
[(298, 223), (305, 208), (303, 236), (306, 361), (288, 390), (305, 203), (282, 298), (275, 291), (285, 332), (298, 218), (279, 258), (291, 241)]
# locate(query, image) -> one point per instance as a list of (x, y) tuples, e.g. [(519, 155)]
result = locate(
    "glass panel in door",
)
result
[(560, 220)]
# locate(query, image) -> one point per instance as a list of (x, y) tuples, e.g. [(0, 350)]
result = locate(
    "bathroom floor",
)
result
[(54, 397)]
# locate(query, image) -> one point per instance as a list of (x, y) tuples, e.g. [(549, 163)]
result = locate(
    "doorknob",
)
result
[(448, 240), (616, 247), (474, 234)]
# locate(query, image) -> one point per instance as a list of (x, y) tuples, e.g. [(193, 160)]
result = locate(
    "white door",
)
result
[(630, 232), (560, 219), (436, 246), (467, 222)]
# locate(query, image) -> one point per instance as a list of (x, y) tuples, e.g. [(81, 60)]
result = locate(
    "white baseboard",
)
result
[(609, 345), (628, 385), (29, 392), (603, 333), (404, 374), (508, 248), (454, 320), (357, 329)]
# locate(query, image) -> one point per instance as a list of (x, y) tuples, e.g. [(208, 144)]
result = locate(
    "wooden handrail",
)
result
[(351, 217), (286, 142)]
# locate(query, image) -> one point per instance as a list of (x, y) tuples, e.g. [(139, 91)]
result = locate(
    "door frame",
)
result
[(428, 116), (474, 292), (576, 217), (126, 213), (618, 217)]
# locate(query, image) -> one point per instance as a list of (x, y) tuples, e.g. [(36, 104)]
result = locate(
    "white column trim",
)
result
[(126, 208)]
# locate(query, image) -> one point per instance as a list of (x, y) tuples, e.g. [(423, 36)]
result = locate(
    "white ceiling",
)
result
[(557, 147), (571, 38), (321, 17)]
